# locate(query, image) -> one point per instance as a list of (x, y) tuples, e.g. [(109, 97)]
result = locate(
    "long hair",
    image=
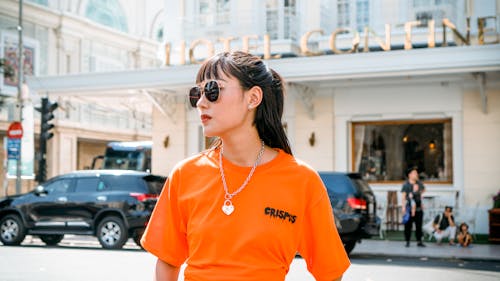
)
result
[(252, 71)]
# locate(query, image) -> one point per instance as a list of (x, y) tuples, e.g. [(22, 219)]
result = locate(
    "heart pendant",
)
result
[(227, 209)]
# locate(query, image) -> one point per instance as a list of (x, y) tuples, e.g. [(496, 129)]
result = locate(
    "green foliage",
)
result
[(6, 69)]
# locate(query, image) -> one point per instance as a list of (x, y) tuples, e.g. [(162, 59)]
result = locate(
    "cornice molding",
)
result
[(446, 61)]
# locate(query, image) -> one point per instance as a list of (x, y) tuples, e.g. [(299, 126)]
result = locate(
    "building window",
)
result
[(343, 14), (362, 14), (272, 19), (40, 2), (326, 10), (437, 10), (214, 12), (159, 34), (281, 19), (383, 151), (108, 13), (289, 19)]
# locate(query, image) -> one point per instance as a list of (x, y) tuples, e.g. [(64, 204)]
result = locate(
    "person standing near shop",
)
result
[(412, 191), (242, 209)]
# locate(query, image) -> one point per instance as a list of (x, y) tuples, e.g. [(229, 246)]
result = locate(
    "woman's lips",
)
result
[(205, 118)]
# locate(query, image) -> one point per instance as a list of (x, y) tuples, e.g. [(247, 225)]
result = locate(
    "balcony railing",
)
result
[(90, 116)]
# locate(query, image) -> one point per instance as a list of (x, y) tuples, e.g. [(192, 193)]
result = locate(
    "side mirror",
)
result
[(40, 190)]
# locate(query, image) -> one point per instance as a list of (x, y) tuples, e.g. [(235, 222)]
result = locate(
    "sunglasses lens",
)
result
[(194, 96), (211, 91)]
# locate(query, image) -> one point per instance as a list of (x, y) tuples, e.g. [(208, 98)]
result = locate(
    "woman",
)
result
[(243, 209), (412, 192)]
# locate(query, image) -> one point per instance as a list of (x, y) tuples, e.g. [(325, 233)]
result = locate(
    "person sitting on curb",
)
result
[(464, 237), (444, 226)]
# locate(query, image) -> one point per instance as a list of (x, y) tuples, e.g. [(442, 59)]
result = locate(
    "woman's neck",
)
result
[(242, 149)]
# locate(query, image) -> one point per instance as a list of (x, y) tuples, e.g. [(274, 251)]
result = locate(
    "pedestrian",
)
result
[(244, 208), (412, 191), (464, 237), (444, 226)]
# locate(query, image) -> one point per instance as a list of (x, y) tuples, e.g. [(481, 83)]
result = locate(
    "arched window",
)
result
[(108, 13)]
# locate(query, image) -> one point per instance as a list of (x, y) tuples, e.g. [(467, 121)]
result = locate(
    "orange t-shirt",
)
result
[(283, 210)]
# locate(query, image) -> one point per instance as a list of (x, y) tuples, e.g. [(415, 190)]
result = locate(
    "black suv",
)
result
[(113, 205), (354, 207)]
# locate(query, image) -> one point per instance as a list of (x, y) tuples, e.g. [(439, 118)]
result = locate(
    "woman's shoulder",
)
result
[(204, 158), (406, 187), (295, 164)]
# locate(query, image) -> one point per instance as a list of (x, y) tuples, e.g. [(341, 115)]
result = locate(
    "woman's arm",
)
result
[(403, 203), (166, 272), (338, 279)]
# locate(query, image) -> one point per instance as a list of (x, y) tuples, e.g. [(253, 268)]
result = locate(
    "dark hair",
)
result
[(411, 169), (252, 71)]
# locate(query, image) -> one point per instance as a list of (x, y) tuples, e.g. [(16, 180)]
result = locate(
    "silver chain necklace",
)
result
[(228, 207)]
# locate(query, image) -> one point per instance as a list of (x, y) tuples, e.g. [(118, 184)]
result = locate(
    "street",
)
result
[(85, 260)]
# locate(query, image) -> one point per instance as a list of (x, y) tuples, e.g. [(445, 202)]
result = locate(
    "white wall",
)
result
[(174, 126), (481, 153), (321, 155)]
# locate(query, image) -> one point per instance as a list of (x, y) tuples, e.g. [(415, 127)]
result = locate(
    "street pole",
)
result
[(19, 91)]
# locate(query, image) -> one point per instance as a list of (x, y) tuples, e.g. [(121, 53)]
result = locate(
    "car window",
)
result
[(155, 183), (338, 183), (101, 186), (124, 183), (362, 185), (87, 184), (58, 186)]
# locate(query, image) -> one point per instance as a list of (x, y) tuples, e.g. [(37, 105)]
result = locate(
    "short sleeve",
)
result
[(436, 219), (165, 235), (320, 244), (405, 188)]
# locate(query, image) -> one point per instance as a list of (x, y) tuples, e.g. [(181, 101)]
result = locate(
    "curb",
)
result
[(423, 257)]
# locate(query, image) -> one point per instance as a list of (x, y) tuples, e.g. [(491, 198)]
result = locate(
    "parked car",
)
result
[(113, 205), (354, 207)]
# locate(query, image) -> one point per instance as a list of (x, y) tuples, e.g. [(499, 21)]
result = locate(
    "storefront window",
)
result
[(383, 151)]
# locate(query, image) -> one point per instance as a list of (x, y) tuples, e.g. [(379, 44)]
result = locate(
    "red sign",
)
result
[(15, 130)]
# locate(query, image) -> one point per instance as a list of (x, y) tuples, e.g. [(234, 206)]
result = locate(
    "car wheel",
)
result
[(51, 240), (12, 230), (111, 233), (349, 246)]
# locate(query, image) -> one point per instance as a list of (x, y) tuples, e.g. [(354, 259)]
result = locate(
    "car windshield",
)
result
[(338, 184), (124, 160)]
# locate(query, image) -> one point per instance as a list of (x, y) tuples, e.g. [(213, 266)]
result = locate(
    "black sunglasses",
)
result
[(210, 90)]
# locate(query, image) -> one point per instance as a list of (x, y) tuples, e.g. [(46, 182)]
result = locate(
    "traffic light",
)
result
[(47, 115)]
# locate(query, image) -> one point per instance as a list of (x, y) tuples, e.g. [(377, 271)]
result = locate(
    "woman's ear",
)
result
[(254, 97)]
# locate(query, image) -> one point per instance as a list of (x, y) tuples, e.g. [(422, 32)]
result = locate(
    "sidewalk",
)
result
[(388, 248)]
